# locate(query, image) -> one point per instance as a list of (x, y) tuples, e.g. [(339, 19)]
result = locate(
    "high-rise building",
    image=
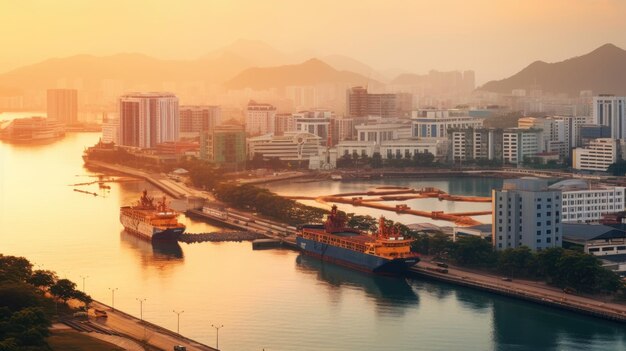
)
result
[(519, 143), (526, 213), (285, 122), (610, 110), (360, 103), (147, 119), (432, 123), (195, 119), (260, 118), (63, 105)]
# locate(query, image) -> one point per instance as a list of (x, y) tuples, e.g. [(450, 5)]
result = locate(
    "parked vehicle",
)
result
[(442, 265), (442, 270), (507, 279), (100, 313)]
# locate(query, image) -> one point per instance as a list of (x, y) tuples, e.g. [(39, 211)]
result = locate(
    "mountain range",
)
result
[(603, 70)]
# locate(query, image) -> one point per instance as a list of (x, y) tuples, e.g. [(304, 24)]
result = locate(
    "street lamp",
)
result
[(84, 277), (113, 298), (178, 321), (217, 335), (141, 301)]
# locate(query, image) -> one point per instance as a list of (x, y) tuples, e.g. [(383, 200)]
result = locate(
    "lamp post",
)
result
[(217, 335), (84, 277), (178, 320), (141, 301), (113, 298)]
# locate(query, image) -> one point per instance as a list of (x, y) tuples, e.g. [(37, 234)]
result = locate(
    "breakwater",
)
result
[(219, 236)]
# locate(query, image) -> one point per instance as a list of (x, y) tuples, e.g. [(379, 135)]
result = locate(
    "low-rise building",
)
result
[(429, 123), (584, 202), (597, 156), (292, 146), (225, 146)]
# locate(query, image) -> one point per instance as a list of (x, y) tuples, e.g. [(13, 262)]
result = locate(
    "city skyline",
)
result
[(408, 37)]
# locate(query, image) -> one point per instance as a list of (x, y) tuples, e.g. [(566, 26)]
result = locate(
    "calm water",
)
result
[(271, 299)]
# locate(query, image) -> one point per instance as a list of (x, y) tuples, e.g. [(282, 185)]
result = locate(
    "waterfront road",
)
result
[(538, 291), (144, 332)]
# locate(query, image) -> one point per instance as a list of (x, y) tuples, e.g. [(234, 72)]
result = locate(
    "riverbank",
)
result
[(532, 291)]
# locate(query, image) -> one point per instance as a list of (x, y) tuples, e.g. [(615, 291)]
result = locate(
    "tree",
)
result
[(63, 289), (43, 279), (377, 160), (14, 268), (618, 168), (518, 262), (82, 297), (473, 251)]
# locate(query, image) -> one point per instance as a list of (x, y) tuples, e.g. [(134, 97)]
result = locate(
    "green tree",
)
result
[(618, 168), (473, 251), (518, 262), (377, 160), (14, 268)]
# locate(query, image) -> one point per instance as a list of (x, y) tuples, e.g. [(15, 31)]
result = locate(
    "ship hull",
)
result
[(149, 232), (354, 259)]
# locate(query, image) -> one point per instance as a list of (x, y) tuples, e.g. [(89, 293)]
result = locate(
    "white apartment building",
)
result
[(519, 143), (110, 131), (526, 213), (292, 146), (610, 111), (597, 156), (147, 119), (435, 123), (585, 203), (260, 118)]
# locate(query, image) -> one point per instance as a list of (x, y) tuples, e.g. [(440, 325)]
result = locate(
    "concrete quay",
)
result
[(532, 291), (143, 332)]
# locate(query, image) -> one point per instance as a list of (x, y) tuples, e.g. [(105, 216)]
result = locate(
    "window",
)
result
[(499, 229), (548, 222), (539, 206), (621, 247), (548, 240), (538, 241), (500, 245), (500, 220), (607, 249), (538, 224), (549, 214), (539, 232), (549, 231), (538, 215), (594, 249)]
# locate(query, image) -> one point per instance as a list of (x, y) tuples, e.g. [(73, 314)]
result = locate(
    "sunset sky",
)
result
[(495, 38)]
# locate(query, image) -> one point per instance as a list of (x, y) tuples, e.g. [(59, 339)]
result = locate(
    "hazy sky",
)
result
[(495, 38)]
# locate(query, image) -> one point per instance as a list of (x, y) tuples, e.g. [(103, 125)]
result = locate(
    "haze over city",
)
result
[(495, 39), (312, 175)]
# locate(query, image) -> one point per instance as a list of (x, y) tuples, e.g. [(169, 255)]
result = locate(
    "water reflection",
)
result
[(524, 326), (388, 291), (152, 253)]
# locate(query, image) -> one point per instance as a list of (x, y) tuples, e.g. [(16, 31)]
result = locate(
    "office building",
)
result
[(225, 146), (475, 144), (260, 118), (292, 146), (285, 122), (196, 119), (430, 123), (63, 105), (316, 122), (360, 103), (518, 144), (610, 110), (526, 213), (597, 156), (584, 202), (147, 119)]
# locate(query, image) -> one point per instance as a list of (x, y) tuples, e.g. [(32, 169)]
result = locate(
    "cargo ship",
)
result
[(384, 252), (151, 221)]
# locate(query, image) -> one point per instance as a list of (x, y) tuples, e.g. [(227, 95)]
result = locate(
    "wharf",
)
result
[(143, 332), (531, 291), (170, 187)]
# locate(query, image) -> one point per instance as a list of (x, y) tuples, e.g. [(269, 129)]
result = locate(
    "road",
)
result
[(538, 290), (143, 332)]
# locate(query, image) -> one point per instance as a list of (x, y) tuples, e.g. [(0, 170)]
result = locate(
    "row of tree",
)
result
[(557, 266), (25, 311), (252, 198)]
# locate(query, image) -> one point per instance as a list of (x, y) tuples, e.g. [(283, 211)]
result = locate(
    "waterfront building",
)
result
[(260, 118), (292, 146), (598, 155), (110, 130), (606, 242), (610, 110), (397, 148), (517, 144), (196, 119), (431, 123), (383, 130), (225, 146), (475, 144), (147, 119), (360, 103), (584, 202), (63, 105), (526, 213)]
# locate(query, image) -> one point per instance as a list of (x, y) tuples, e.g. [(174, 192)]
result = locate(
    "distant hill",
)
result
[(130, 69), (258, 53), (346, 63), (603, 71), (310, 72)]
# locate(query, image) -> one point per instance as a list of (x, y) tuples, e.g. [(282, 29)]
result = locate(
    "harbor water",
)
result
[(266, 299)]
